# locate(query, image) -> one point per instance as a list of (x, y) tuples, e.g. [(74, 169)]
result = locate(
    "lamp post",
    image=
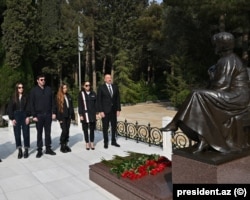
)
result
[(80, 48)]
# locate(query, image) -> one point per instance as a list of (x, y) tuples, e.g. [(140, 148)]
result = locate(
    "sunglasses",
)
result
[(20, 87), (42, 79)]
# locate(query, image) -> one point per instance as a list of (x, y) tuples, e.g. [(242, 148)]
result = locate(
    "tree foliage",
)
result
[(128, 88), (116, 29), (18, 30), (194, 22)]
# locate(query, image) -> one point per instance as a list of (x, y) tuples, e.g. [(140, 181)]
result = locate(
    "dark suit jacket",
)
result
[(105, 102), (67, 112)]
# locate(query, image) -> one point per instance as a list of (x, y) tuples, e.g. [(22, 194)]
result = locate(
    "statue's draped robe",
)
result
[(212, 113)]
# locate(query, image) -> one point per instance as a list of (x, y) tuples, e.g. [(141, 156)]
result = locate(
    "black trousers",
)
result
[(112, 119), (65, 125), (20, 126), (91, 135), (44, 122)]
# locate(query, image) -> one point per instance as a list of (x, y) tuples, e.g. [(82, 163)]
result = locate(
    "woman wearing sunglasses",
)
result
[(19, 114), (87, 113)]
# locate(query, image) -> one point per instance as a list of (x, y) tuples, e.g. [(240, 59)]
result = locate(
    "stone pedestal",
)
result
[(158, 187), (210, 168)]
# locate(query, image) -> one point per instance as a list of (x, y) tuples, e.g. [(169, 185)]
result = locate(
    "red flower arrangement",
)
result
[(136, 165)]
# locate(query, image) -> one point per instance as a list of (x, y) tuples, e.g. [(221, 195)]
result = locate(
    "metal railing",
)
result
[(180, 140), (139, 133), (148, 134)]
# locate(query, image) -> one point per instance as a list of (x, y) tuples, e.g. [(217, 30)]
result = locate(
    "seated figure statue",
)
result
[(209, 116)]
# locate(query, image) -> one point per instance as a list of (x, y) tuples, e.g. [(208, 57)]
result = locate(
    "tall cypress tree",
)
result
[(49, 35), (18, 30), (116, 28)]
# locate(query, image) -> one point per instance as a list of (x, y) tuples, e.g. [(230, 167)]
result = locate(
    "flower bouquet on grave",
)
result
[(137, 165)]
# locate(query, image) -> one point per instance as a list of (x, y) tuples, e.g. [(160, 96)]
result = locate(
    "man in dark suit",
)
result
[(109, 107)]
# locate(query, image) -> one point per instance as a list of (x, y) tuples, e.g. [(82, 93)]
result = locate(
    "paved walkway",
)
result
[(146, 113), (66, 176)]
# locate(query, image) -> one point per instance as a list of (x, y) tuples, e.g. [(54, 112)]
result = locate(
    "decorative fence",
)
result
[(180, 140), (148, 134), (140, 133)]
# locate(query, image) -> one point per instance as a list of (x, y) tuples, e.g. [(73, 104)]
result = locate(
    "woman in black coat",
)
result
[(87, 113), (19, 114), (64, 114)]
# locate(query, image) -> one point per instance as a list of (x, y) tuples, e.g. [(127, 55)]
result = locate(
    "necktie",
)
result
[(110, 91)]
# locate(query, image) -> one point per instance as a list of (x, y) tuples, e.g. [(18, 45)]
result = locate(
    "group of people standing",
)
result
[(105, 104), (42, 107)]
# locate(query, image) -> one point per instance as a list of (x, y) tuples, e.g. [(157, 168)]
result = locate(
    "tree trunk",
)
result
[(93, 62), (104, 65), (148, 78), (75, 74), (87, 63), (112, 67)]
